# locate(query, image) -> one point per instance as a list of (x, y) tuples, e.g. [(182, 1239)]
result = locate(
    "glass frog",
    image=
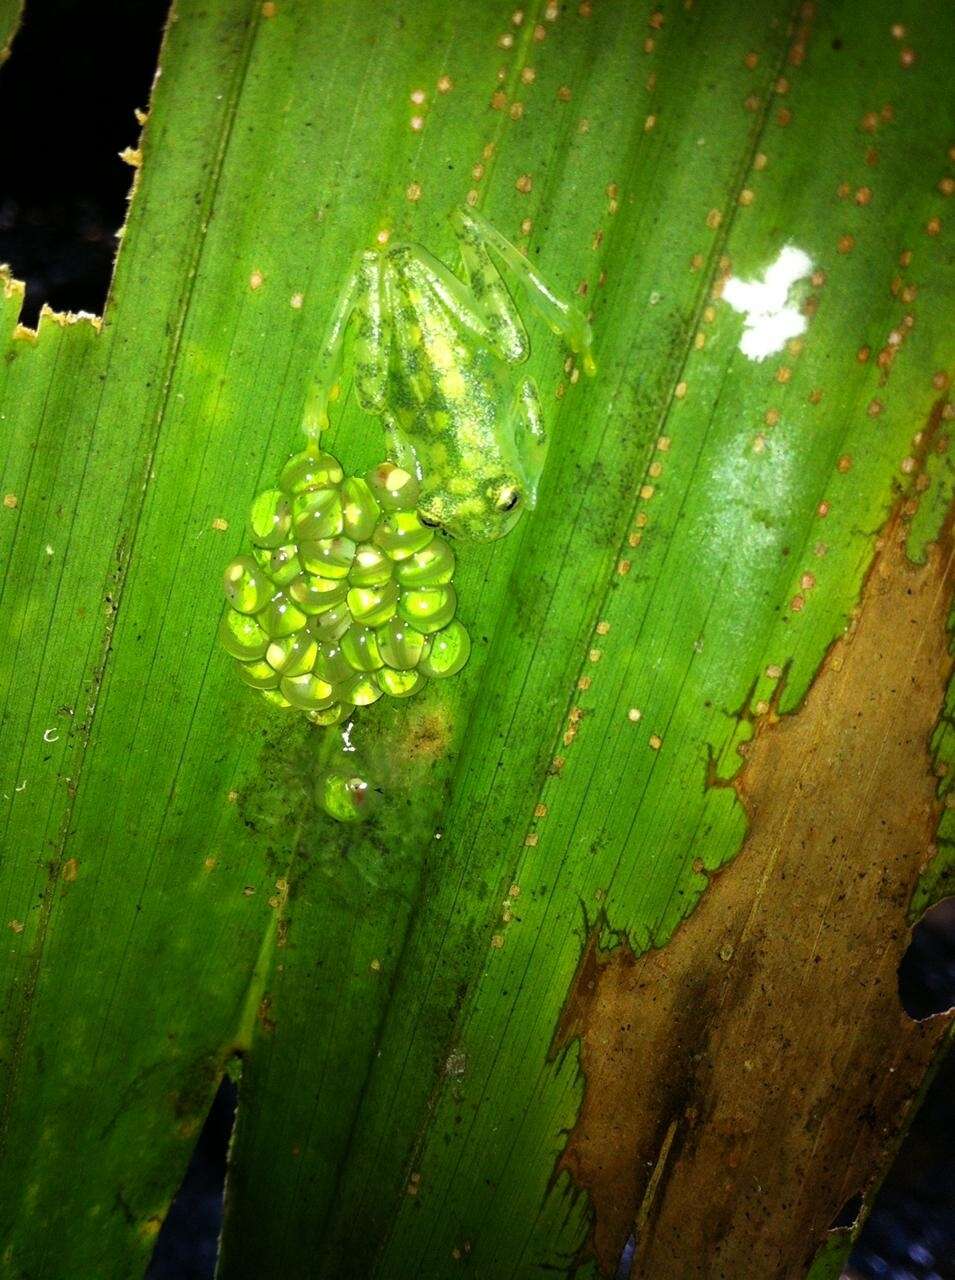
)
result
[(436, 356)]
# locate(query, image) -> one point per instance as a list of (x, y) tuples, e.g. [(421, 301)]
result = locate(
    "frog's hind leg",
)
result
[(374, 325), (420, 273), (564, 318), (330, 356), (500, 321), (364, 298)]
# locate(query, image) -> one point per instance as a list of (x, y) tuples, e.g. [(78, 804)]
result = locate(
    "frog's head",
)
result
[(489, 507)]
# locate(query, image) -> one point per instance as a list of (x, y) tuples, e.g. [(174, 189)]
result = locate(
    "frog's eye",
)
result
[(508, 498), (432, 524)]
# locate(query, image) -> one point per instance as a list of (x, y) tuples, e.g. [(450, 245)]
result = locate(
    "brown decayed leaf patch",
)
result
[(745, 1080)]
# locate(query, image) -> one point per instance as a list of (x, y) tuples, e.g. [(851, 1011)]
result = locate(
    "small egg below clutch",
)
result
[(346, 595)]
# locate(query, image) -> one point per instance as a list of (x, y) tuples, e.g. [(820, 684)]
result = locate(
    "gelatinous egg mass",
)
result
[(346, 598)]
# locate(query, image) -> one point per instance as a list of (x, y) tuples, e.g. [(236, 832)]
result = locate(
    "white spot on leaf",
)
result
[(770, 318)]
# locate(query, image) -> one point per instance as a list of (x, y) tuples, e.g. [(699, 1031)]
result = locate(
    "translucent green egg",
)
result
[(399, 644), (428, 608), (310, 469), (293, 655), (308, 692), (393, 487), (330, 557), (448, 652), (373, 605), (401, 534), (332, 623), (246, 587), (432, 567), (371, 567), (258, 674), (314, 595), (317, 514), (399, 684), (270, 519), (361, 690), (343, 795), (329, 715), (360, 511), (346, 597), (281, 617), (280, 563), (276, 698), (361, 648), (241, 635), (331, 664)]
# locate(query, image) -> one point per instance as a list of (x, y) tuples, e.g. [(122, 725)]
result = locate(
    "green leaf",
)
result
[(831, 1259), (487, 1024), (10, 11)]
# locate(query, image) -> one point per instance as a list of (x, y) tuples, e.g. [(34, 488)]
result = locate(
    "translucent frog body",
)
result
[(437, 358)]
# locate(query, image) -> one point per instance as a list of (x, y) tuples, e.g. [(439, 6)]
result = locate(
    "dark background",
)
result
[(75, 74), (67, 97)]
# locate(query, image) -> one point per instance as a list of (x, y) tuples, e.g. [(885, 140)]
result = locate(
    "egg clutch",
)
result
[(347, 595)]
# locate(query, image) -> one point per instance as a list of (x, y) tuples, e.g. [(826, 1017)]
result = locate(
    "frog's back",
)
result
[(443, 377)]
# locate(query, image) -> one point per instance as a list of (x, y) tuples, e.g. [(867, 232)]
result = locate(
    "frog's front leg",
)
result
[(565, 319), (530, 439), (365, 306)]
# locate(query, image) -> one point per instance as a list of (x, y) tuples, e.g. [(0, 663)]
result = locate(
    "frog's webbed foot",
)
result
[(363, 306), (565, 319)]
